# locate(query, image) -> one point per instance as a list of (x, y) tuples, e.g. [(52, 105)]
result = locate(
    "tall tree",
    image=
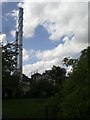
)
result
[(10, 77), (58, 75), (72, 102)]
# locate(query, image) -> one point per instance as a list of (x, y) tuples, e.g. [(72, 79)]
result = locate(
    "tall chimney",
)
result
[(19, 41)]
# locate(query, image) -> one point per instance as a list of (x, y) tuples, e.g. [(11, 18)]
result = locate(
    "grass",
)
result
[(24, 108)]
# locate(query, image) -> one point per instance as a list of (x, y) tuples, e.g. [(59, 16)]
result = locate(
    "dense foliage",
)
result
[(69, 97), (47, 84), (73, 101), (39, 86), (10, 77)]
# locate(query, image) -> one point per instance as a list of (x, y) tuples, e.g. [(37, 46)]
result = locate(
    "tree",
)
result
[(10, 78), (40, 87), (67, 61), (72, 101), (58, 75), (8, 59), (48, 83), (75, 90)]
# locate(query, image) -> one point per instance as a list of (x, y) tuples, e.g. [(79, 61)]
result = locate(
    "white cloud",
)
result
[(14, 14), (13, 33), (59, 19), (48, 58), (3, 39), (69, 48), (67, 18), (41, 66), (25, 55)]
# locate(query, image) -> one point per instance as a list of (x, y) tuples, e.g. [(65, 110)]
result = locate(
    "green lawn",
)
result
[(24, 108)]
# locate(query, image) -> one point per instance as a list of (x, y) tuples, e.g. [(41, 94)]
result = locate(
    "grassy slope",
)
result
[(24, 108)]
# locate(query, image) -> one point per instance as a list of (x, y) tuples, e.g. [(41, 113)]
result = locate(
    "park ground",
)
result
[(25, 108)]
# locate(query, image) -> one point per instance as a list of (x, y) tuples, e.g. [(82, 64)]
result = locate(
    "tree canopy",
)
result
[(10, 78), (72, 102)]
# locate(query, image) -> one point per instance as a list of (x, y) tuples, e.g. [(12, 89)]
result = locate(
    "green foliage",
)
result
[(69, 61), (10, 78), (47, 84), (8, 60), (42, 88), (73, 101), (58, 74)]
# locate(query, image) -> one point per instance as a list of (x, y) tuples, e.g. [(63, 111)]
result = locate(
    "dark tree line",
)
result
[(48, 83), (39, 86), (68, 96), (72, 101)]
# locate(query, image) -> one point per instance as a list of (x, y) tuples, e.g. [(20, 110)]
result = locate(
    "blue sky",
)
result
[(8, 22), (50, 33), (40, 40)]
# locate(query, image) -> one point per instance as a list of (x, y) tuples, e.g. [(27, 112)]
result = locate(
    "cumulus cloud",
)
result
[(59, 19), (3, 39), (41, 66), (70, 47), (25, 55), (48, 58)]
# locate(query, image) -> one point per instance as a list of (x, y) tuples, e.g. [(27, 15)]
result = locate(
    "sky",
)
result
[(52, 31)]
